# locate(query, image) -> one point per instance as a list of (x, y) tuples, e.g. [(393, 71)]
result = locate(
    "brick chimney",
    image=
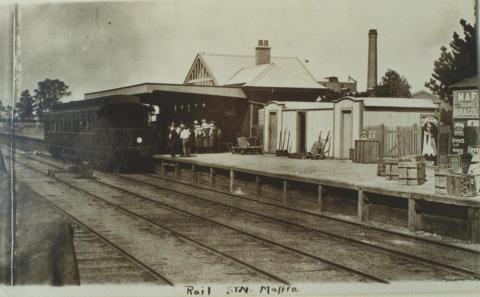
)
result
[(262, 53), (372, 59)]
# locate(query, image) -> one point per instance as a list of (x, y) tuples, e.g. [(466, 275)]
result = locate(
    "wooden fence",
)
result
[(397, 141)]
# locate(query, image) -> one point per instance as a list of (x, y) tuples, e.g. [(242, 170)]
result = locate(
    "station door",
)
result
[(346, 133), (272, 133)]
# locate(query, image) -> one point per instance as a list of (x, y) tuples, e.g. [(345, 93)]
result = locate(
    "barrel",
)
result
[(391, 168)]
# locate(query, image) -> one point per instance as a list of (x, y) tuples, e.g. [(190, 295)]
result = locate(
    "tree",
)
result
[(393, 85), (25, 106), (455, 65), (48, 94), (2, 112)]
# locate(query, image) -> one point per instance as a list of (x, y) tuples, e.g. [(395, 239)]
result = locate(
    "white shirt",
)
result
[(185, 134)]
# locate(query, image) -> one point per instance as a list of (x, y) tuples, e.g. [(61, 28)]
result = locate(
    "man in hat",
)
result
[(212, 137), (172, 141), (198, 131), (206, 133), (185, 137)]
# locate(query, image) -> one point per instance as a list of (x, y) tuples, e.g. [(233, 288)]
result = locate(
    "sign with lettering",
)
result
[(458, 137), (466, 104)]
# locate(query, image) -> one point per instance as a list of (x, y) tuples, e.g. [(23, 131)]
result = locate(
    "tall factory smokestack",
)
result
[(372, 59)]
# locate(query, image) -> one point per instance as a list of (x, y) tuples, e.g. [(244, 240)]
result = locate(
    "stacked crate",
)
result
[(455, 180), (391, 168), (381, 167), (411, 170)]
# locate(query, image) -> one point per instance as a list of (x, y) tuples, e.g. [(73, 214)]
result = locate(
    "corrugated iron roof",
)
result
[(471, 82), (223, 67), (302, 105), (272, 76), (393, 102)]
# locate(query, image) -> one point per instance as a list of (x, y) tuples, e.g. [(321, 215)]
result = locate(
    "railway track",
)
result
[(243, 274), (101, 261), (355, 232), (302, 262), (454, 270)]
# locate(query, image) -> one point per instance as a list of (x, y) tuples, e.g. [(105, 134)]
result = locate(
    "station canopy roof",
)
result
[(382, 102), (145, 90)]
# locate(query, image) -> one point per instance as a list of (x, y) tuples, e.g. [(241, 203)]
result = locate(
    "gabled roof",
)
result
[(393, 102), (223, 67), (423, 94), (271, 76), (471, 82)]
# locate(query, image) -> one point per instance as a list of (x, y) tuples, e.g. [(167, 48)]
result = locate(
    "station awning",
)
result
[(149, 88)]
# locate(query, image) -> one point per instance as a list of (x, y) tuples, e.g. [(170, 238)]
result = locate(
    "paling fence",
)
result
[(397, 141)]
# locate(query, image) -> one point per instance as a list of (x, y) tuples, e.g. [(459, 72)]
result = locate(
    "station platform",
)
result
[(358, 178)]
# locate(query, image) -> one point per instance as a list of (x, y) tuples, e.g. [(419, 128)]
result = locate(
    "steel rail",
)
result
[(431, 263), (378, 229), (124, 253), (152, 222)]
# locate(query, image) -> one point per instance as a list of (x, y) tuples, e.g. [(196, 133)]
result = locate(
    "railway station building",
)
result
[(228, 89)]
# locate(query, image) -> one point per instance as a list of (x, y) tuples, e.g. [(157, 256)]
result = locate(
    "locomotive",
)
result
[(110, 133)]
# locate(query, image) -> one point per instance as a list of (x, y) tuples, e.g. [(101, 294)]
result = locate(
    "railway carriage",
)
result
[(111, 133)]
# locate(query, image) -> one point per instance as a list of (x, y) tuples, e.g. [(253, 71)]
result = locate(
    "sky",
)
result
[(94, 46)]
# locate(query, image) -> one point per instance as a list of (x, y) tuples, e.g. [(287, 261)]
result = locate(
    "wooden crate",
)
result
[(391, 168), (411, 170), (461, 185), (411, 173), (460, 162), (367, 151), (381, 167), (441, 180), (412, 158)]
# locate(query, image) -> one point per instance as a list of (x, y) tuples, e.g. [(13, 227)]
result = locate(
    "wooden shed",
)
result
[(295, 124), (354, 114), (344, 118)]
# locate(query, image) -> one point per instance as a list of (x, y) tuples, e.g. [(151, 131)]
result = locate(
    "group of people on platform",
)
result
[(198, 138)]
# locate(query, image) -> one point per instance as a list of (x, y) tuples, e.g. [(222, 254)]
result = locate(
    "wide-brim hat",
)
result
[(195, 122)]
